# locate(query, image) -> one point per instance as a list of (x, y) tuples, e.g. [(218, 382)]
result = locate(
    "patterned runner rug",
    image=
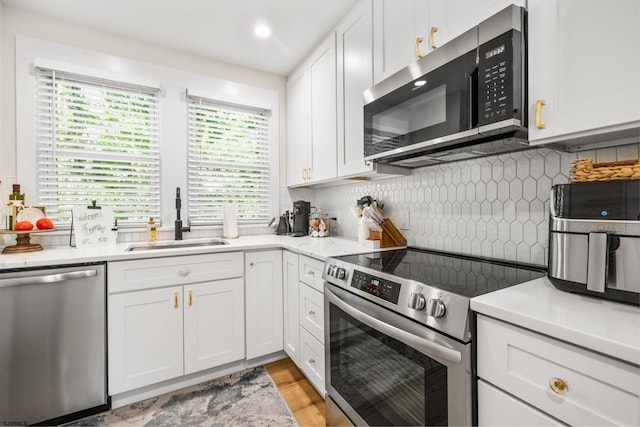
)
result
[(247, 398)]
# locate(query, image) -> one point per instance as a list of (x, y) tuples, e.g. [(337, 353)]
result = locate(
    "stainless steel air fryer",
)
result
[(594, 239)]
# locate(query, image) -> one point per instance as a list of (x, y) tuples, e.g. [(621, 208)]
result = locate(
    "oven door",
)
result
[(384, 369)]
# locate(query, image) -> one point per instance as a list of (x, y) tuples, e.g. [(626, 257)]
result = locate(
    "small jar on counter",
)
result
[(319, 224)]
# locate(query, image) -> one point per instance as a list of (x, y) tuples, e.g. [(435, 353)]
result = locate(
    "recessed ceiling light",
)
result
[(419, 83), (262, 31)]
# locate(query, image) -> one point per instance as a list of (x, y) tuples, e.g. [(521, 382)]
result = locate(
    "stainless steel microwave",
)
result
[(465, 99)]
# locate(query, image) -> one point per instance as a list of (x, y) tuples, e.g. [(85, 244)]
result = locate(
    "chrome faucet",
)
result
[(179, 229)]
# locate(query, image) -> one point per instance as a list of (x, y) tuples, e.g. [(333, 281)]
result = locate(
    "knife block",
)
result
[(389, 237)]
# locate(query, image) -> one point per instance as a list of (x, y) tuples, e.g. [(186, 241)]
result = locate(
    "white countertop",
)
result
[(607, 327), (58, 255)]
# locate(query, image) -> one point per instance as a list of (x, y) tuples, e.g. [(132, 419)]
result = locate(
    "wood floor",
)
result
[(303, 400)]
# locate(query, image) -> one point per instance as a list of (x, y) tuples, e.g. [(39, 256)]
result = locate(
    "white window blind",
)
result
[(97, 140), (228, 160)]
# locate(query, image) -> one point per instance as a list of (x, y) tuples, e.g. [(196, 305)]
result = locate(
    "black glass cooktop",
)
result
[(460, 274)]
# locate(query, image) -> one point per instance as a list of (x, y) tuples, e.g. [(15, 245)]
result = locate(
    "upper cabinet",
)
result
[(584, 70), (355, 75), (406, 30), (311, 118)]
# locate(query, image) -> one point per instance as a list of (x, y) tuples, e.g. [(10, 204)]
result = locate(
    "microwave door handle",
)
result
[(424, 346)]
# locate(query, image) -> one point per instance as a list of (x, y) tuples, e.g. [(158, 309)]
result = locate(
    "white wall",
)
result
[(15, 22)]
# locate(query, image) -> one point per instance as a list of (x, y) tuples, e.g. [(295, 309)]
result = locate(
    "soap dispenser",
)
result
[(153, 234)]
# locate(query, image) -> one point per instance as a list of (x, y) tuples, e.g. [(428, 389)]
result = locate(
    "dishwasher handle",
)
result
[(49, 278)]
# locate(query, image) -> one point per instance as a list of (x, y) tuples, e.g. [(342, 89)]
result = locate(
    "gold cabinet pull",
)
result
[(418, 41), (175, 300), (190, 298), (308, 173), (558, 386), (432, 38), (539, 104), (303, 171)]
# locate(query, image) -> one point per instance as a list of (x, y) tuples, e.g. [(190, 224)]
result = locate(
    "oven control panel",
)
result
[(381, 288)]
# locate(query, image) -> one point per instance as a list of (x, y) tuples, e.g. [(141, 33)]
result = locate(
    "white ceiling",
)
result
[(216, 29)]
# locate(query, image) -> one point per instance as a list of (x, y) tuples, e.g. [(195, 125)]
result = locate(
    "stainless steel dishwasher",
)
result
[(53, 344)]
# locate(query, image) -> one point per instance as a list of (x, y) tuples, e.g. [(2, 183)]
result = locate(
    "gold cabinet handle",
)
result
[(303, 171), (539, 104), (418, 41), (432, 38), (190, 298), (308, 173), (558, 386), (175, 300)]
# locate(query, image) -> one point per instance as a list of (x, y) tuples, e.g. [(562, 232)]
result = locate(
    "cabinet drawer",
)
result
[(598, 389), (157, 272), (497, 408), (312, 311), (312, 360), (311, 272)]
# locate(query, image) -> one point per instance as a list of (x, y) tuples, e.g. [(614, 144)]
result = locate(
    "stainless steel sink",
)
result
[(175, 244)]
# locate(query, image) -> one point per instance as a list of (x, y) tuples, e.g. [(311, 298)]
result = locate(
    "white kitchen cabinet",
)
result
[(145, 338), (497, 408), (406, 29), (311, 272), (312, 360), (355, 75), (298, 110), (172, 316), (213, 324), (312, 311), (311, 117), (264, 304), (557, 379), (291, 322), (584, 63)]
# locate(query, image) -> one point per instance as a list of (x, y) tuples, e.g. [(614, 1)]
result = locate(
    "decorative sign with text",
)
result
[(93, 226)]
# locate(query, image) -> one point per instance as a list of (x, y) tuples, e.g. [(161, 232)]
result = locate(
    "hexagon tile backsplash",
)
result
[(495, 206)]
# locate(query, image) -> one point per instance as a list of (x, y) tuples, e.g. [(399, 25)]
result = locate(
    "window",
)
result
[(97, 140), (228, 152)]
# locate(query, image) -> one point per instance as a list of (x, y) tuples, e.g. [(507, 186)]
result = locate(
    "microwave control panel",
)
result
[(496, 71)]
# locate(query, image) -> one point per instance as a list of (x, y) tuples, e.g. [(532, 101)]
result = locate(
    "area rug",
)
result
[(246, 398)]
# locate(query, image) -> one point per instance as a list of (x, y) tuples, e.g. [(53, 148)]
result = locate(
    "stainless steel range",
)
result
[(398, 334)]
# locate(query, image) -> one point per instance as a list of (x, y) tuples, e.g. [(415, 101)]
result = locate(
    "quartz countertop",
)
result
[(607, 327), (58, 255)]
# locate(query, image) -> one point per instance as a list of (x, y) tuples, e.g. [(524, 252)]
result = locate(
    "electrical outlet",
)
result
[(403, 220)]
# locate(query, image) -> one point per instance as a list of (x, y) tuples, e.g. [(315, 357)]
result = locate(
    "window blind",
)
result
[(228, 159), (97, 140)]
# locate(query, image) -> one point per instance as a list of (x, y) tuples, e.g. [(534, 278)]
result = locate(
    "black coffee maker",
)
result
[(301, 211)]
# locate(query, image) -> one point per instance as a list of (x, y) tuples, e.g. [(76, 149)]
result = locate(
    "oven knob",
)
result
[(416, 301), (436, 308), (331, 270), (340, 273)]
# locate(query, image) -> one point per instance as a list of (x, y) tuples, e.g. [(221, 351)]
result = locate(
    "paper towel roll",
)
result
[(229, 221)]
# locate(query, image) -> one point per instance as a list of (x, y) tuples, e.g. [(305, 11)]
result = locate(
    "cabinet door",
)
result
[(213, 324), (312, 311), (449, 19), (264, 307), (291, 289), (298, 94), (396, 26), (355, 75), (584, 63), (145, 338), (497, 408), (322, 69)]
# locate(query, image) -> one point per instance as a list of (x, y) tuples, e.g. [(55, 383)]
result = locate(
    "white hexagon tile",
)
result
[(495, 206)]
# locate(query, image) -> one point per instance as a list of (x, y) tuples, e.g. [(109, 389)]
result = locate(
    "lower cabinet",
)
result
[(291, 322), (183, 326), (526, 378), (264, 316)]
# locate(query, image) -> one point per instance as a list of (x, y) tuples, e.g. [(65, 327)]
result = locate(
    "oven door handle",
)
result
[(422, 345)]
